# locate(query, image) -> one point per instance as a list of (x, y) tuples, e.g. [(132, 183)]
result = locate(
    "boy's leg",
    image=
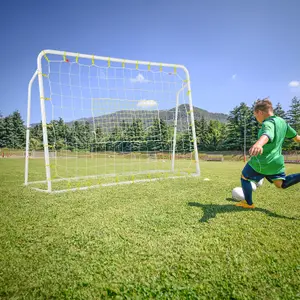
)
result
[(247, 189), (290, 180), (283, 181), (277, 179), (248, 175), (278, 183)]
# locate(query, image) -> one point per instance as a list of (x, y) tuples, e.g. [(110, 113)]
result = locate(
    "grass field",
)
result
[(170, 239)]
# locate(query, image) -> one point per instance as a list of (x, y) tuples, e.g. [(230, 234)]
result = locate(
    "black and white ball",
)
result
[(238, 194)]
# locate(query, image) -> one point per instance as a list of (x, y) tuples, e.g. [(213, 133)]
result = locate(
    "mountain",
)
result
[(198, 113), (113, 119), (109, 121)]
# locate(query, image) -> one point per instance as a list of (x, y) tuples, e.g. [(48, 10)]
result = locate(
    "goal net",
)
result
[(111, 121)]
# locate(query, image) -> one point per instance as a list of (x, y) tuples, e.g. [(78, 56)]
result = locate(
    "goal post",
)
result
[(104, 117)]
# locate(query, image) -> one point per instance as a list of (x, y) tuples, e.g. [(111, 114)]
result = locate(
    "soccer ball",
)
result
[(254, 186), (238, 194), (260, 183)]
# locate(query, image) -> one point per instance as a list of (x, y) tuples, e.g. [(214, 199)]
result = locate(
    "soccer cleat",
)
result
[(244, 204)]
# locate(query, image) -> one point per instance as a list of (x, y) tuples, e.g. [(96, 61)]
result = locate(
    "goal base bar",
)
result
[(109, 184)]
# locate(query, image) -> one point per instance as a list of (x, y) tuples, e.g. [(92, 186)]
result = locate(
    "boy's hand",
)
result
[(256, 150), (297, 139)]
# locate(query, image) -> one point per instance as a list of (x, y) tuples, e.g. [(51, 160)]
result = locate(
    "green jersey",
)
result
[(271, 161)]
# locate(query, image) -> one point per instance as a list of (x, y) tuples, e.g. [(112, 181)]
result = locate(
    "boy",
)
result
[(266, 158)]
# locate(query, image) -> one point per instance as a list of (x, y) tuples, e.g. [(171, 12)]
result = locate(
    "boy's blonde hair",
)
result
[(264, 105)]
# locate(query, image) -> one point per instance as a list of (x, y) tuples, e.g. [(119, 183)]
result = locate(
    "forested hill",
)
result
[(166, 115)]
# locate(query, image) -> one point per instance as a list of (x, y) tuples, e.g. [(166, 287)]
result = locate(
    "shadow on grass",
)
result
[(211, 210)]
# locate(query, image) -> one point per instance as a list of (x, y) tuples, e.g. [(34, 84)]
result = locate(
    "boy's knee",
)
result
[(243, 177), (278, 183)]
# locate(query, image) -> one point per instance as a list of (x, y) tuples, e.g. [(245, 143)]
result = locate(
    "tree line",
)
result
[(211, 135)]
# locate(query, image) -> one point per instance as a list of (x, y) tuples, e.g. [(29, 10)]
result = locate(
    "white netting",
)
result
[(113, 120)]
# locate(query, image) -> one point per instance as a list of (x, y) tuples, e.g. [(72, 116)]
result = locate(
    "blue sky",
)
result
[(235, 50)]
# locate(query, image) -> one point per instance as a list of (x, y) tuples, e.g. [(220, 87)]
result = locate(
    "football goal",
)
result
[(109, 121)]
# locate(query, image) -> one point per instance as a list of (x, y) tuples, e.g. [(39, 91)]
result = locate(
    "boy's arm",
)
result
[(257, 148), (267, 134)]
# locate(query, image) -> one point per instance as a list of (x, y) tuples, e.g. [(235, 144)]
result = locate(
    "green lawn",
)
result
[(170, 239)]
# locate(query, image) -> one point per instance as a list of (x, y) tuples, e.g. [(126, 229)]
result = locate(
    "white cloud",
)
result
[(294, 83), (233, 77), (146, 103), (139, 78)]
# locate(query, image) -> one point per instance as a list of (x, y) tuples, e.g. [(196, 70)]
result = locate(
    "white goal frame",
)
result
[(39, 74)]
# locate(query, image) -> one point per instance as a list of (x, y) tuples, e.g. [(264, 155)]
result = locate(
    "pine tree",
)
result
[(2, 131), (115, 139), (77, 132), (254, 127), (51, 135), (137, 135), (97, 140), (202, 133), (164, 135), (12, 131), (61, 134), (183, 142), (158, 136), (239, 119), (278, 111), (35, 144), (36, 133), (19, 130), (125, 144), (9, 137), (215, 135), (293, 117), (87, 136)]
